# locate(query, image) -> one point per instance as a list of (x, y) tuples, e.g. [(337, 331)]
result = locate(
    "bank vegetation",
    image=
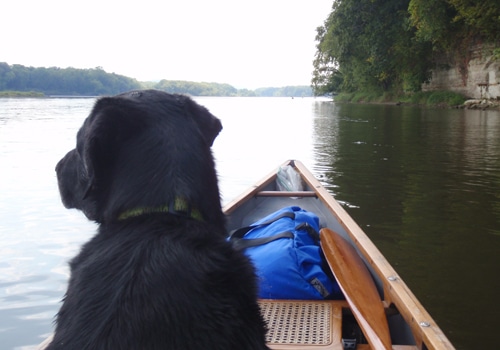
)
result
[(379, 50)]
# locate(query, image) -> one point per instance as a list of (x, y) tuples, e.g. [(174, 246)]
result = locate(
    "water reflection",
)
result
[(424, 185), (34, 227)]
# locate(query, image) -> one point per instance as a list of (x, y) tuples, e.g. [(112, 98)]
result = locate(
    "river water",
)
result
[(423, 184)]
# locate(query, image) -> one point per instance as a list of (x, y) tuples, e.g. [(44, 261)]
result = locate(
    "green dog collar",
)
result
[(179, 206)]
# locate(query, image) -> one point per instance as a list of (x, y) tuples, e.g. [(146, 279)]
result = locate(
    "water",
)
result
[(423, 184)]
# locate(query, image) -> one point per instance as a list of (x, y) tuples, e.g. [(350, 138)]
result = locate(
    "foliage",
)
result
[(68, 81), (482, 17), (344, 97), (18, 80), (365, 45), (447, 98), (21, 94), (365, 97), (428, 98), (196, 89), (433, 20), (496, 53), (392, 45), (246, 93), (287, 91), (216, 89)]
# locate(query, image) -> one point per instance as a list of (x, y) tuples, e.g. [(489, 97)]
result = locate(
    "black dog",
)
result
[(159, 273)]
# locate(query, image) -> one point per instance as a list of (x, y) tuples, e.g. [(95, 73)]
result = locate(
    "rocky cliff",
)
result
[(475, 74)]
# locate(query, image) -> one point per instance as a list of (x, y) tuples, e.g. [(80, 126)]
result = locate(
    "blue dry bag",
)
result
[(284, 248)]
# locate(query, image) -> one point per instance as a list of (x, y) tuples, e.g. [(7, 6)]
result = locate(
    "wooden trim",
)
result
[(394, 347), (299, 194), (45, 343)]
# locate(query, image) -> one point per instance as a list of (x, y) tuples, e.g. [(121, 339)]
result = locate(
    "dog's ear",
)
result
[(209, 125), (104, 131)]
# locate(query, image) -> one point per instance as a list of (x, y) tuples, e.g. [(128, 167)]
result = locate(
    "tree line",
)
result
[(67, 81), (392, 45), (97, 82)]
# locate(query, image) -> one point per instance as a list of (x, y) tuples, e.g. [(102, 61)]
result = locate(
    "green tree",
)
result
[(361, 46), (432, 19), (483, 16), (6, 75), (392, 45), (446, 23), (196, 89), (453, 27), (68, 81)]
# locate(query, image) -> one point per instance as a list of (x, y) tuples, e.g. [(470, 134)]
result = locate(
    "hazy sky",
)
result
[(247, 44)]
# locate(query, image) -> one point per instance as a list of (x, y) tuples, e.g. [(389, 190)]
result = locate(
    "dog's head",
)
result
[(142, 149)]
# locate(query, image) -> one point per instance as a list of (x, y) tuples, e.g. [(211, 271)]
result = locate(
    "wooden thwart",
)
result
[(299, 194)]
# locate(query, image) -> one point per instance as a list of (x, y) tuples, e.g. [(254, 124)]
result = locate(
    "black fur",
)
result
[(152, 279)]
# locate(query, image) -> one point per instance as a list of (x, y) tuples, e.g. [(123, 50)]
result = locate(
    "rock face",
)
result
[(478, 77)]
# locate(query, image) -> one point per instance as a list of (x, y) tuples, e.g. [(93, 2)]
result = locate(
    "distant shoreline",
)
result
[(27, 94), (34, 94), (70, 96)]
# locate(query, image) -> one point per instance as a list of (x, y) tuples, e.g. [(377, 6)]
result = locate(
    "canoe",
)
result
[(380, 311)]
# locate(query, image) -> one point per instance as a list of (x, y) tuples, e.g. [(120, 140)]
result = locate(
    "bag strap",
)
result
[(239, 233), (242, 243), (236, 236)]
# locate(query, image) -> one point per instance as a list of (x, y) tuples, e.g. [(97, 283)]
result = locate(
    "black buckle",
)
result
[(349, 343)]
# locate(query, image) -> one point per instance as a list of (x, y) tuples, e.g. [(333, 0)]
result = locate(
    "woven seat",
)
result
[(295, 324)]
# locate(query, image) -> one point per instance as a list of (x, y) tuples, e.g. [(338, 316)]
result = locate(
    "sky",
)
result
[(247, 44)]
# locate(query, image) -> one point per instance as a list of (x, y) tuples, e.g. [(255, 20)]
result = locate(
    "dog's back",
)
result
[(159, 274), (158, 288)]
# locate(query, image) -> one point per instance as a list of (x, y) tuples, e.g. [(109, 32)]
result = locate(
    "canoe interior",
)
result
[(264, 200), (410, 324)]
